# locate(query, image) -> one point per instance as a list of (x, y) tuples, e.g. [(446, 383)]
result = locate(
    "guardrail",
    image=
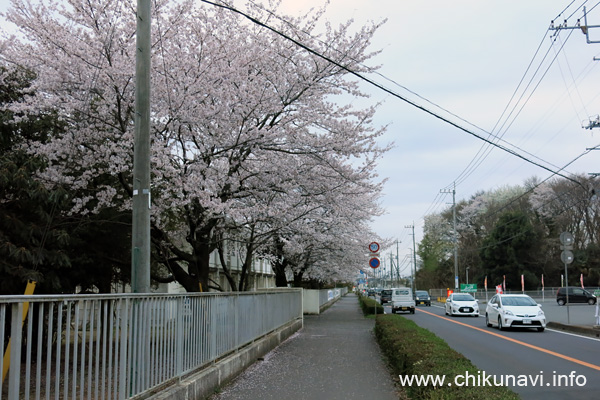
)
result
[(118, 346), (548, 294)]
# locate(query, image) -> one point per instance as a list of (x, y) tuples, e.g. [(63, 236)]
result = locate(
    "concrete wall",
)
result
[(203, 383), (310, 301), (314, 301)]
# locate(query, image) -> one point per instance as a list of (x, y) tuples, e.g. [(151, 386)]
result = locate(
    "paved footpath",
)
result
[(333, 357)]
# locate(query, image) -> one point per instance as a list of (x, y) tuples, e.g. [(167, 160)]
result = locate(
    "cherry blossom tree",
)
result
[(237, 111)]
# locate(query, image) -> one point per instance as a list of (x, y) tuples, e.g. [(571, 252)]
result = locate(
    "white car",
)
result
[(462, 304), (514, 310)]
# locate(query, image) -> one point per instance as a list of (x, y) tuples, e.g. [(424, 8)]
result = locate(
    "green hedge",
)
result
[(369, 306), (412, 350)]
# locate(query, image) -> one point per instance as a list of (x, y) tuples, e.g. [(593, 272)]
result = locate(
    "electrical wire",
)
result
[(403, 98), (517, 198), (504, 125), (386, 90), (486, 149)]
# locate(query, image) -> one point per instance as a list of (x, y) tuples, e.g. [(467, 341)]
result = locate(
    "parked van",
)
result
[(576, 295), (403, 300)]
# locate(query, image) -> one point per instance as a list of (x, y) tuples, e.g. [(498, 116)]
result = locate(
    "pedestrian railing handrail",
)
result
[(115, 346)]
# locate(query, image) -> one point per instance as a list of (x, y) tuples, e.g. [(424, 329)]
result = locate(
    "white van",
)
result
[(403, 300)]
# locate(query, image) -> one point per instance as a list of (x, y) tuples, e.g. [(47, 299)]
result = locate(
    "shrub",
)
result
[(412, 350), (369, 306)]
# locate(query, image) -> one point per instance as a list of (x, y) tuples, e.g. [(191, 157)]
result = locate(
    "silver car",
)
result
[(514, 310)]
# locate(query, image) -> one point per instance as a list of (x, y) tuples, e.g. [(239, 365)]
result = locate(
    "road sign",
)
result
[(374, 263), (374, 247), (567, 256), (566, 239), (468, 288)]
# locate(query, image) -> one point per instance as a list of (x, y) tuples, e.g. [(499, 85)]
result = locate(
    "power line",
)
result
[(507, 127), (379, 86), (480, 157)]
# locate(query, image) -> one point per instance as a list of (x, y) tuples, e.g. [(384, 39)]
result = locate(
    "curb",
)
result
[(582, 330)]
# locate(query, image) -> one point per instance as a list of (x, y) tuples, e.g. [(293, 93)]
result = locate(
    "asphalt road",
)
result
[(573, 314), (545, 365)]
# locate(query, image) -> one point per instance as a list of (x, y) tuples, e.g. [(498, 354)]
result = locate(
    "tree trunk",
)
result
[(280, 265), (226, 270), (279, 270), (298, 278)]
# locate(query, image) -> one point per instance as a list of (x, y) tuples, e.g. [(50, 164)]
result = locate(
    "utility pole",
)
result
[(453, 191), (391, 269), (397, 260), (414, 256), (585, 29), (140, 246)]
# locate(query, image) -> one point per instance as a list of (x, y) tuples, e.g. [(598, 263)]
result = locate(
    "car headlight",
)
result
[(540, 313), (508, 312)]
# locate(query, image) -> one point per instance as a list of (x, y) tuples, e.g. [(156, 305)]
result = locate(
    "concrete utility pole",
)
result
[(414, 285), (140, 246), (397, 259), (453, 191), (391, 270), (585, 29)]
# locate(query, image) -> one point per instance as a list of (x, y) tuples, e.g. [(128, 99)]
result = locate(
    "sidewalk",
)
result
[(333, 357)]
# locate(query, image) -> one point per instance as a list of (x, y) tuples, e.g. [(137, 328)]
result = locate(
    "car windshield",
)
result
[(422, 293), (518, 301), (386, 292), (463, 297), (402, 292)]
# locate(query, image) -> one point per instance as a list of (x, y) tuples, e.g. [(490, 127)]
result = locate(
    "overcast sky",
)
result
[(468, 56)]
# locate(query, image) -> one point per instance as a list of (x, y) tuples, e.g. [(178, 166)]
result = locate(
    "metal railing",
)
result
[(548, 294), (118, 346)]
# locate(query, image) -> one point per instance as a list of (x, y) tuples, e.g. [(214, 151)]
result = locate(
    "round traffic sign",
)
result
[(374, 263), (567, 256), (374, 247), (566, 238)]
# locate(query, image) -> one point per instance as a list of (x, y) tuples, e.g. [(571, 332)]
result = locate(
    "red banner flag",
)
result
[(503, 282), (581, 280), (485, 283), (499, 289), (542, 281), (522, 283)]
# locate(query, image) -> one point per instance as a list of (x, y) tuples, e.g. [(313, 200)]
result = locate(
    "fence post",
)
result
[(15, 351), (179, 336)]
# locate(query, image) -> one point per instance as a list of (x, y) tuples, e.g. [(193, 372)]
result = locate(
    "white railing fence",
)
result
[(548, 294), (118, 346)]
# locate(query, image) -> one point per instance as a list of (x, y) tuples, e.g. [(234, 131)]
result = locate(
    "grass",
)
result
[(412, 350)]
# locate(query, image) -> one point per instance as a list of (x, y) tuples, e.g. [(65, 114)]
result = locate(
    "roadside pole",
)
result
[(566, 239), (374, 263)]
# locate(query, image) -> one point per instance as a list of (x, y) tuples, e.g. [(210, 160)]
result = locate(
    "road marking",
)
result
[(576, 361), (573, 334), (548, 329)]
